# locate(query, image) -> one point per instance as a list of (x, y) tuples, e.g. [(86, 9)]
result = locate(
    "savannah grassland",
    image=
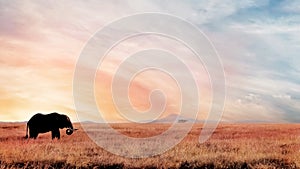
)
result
[(231, 146)]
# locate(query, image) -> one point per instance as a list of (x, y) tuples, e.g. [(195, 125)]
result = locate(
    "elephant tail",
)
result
[(26, 131)]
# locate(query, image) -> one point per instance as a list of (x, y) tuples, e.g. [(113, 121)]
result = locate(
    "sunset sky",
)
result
[(257, 41)]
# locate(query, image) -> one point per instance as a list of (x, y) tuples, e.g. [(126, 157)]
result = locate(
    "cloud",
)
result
[(282, 96), (292, 6), (258, 42), (284, 24)]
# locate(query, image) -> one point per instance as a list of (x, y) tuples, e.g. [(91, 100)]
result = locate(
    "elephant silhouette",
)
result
[(42, 123)]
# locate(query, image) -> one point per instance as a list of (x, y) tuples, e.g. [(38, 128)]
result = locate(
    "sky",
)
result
[(257, 42)]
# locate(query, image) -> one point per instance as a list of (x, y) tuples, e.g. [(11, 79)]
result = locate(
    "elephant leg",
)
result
[(33, 134), (55, 134), (58, 134)]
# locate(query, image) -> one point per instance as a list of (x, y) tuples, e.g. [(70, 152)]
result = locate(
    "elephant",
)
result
[(42, 123)]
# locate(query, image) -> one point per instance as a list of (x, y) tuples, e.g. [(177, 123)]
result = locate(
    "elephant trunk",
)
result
[(70, 126)]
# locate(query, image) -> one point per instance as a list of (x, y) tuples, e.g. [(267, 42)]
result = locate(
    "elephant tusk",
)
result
[(69, 131)]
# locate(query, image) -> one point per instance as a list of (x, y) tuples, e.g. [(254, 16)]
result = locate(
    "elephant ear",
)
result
[(68, 119), (58, 121)]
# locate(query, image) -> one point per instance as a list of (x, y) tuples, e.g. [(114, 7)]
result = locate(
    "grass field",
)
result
[(231, 146)]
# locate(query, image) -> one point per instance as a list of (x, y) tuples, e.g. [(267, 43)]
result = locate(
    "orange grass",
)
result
[(231, 146)]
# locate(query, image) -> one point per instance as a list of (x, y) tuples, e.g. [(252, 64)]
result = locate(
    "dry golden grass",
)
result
[(231, 146)]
